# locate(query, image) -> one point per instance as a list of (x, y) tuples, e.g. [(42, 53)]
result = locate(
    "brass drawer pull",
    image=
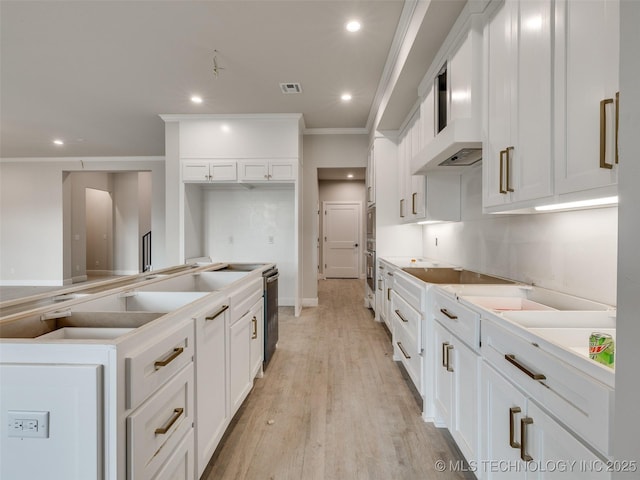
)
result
[(380, 285), (389, 294), (444, 311), (177, 412), (163, 363), (402, 208), (254, 334), (617, 124), (444, 354), (603, 133), (404, 352), (512, 427), (218, 313), (523, 439), (401, 317), (413, 203), (511, 358), (508, 174), (449, 367), (502, 154)]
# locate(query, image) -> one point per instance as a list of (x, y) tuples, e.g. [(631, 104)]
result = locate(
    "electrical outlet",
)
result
[(270, 239), (28, 424)]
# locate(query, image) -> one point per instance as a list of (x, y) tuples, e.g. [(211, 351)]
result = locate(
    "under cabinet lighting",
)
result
[(353, 26), (596, 202), (225, 128), (429, 222), (350, 175)]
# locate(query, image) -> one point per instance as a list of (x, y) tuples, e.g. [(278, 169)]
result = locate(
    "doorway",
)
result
[(342, 233), (99, 232)]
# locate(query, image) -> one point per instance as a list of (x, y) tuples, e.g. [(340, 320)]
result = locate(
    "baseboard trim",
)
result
[(78, 279), (31, 283), (310, 302)]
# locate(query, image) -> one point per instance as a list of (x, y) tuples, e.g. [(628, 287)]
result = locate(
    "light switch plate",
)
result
[(28, 424)]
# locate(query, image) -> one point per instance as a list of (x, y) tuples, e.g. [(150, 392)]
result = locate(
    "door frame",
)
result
[(361, 231)]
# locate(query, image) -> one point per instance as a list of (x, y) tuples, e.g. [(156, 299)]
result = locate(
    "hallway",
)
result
[(332, 405)]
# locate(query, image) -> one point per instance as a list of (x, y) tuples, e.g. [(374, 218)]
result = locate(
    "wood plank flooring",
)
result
[(332, 405)]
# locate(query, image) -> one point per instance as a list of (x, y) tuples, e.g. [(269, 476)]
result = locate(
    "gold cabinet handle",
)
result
[(413, 203), (369, 193), (401, 317), (218, 313), (449, 367), (603, 133), (404, 352), (512, 427), (163, 363), (508, 173), (444, 311), (402, 208), (445, 361), (511, 358), (617, 123), (254, 334), (523, 439), (388, 294), (177, 412), (380, 285), (502, 154)]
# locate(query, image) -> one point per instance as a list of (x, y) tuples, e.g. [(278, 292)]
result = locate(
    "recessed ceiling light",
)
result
[(353, 26), (350, 175), (58, 142), (345, 97), (196, 99)]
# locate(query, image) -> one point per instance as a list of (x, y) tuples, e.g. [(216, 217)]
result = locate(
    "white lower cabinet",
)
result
[(456, 390), (521, 441), (257, 338), (212, 412), (240, 381), (180, 463), (155, 429)]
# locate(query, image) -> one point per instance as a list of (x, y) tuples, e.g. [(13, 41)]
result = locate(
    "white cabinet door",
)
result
[(211, 381), (223, 171), (257, 338), (195, 171), (517, 158), (501, 411), (587, 64), (465, 422), (443, 380), (282, 170), (240, 380), (253, 170)]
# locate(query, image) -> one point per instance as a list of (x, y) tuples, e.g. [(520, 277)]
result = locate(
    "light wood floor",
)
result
[(332, 405)]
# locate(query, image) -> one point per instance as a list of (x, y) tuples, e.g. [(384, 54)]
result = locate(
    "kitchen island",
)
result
[(134, 378)]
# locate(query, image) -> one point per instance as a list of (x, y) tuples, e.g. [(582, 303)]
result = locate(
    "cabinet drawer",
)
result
[(580, 402), (405, 349), (156, 428), (408, 289), (156, 361), (180, 465), (456, 318), (242, 299), (406, 315)]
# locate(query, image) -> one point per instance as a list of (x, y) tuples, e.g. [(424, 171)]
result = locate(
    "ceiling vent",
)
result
[(290, 88)]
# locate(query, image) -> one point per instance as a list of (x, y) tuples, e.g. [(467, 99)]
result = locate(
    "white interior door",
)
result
[(342, 233)]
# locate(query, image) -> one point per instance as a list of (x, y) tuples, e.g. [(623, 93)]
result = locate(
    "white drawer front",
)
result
[(156, 428), (155, 362), (408, 289), (241, 300), (179, 466), (580, 402), (405, 349), (457, 318), (406, 316)]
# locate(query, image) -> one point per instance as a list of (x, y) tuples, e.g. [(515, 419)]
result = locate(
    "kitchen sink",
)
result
[(84, 333), (505, 304), (240, 267), (560, 319), (454, 276)]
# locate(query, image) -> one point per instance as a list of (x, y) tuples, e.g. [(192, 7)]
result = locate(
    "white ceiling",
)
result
[(98, 73)]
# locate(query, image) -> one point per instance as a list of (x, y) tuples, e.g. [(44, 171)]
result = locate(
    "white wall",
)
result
[(97, 232), (33, 235), (322, 151), (253, 225), (127, 236), (627, 420), (344, 191), (572, 252)]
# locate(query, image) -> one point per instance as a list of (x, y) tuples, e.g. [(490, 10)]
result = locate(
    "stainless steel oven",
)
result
[(371, 263)]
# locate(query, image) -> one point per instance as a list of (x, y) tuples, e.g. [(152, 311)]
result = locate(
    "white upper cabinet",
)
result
[(371, 178), (209, 171), (517, 149), (587, 63), (267, 170)]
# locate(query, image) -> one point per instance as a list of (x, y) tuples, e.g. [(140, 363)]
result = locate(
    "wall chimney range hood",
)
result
[(456, 147)]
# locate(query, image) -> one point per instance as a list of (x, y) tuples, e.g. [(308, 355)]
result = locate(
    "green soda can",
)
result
[(602, 348)]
